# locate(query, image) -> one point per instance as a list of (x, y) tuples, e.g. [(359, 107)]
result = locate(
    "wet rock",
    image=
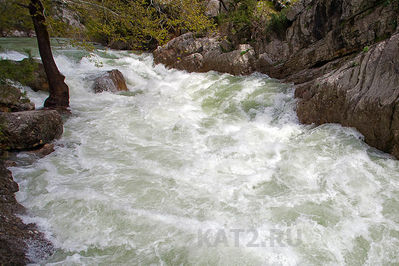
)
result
[(15, 236), (363, 93), (12, 100), (29, 129), (112, 81), (47, 149)]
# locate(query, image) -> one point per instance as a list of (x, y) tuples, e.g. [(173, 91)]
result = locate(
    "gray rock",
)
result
[(12, 100), (212, 8), (29, 129), (363, 93), (204, 54), (112, 81)]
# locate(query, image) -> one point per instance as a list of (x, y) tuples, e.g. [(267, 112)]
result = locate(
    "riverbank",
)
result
[(20, 243)]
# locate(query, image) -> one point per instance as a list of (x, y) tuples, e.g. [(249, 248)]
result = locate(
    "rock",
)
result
[(9, 163), (29, 129), (363, 93), (12, 100), (39, 82), (322, 31), (47, 149), (237, 62), (14, 234), (327, 50), (212, 8), (205, 54), (112, 81)]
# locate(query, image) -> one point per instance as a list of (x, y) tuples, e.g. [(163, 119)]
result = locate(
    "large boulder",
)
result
[(29, 129), (112, 81), (362, 93), (12, 100)]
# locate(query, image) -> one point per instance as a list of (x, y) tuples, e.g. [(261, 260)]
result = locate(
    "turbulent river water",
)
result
[(203, 169)]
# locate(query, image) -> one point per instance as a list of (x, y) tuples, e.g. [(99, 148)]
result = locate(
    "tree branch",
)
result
[(81, 2)]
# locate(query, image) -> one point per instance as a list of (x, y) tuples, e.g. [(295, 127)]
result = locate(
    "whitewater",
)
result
[(202, 169)]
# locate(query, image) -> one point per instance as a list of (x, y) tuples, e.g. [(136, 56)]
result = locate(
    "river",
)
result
[(202, 169)]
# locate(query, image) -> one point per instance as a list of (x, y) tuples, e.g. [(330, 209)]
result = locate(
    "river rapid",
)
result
[(202, 169)]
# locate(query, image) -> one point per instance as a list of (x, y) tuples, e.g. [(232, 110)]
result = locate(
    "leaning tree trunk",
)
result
[(59, 91)]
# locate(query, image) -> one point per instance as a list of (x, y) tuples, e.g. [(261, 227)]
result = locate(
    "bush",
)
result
[(22, 71), (278, 23)]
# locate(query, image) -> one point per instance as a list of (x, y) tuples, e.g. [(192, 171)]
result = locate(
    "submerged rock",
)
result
[(112, 81), (29, 129), (12, 100)]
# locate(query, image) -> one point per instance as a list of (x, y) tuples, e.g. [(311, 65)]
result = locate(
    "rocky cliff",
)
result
[(342, 56)]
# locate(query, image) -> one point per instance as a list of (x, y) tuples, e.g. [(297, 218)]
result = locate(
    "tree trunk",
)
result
[(59, 91)]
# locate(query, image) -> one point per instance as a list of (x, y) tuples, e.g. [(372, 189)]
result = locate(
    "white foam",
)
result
[(138, 175)]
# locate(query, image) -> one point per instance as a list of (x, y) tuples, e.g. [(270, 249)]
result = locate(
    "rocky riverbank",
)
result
[(341, 56), (19, 243), (21, 128), (24, 129)]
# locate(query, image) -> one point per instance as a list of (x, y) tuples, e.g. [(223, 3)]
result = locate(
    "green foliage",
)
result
[(240, 18), (13, 17), (22, 71), (278, 23), (366, 49), (244, 52), (395, 3), (143, 24), (130, 24)]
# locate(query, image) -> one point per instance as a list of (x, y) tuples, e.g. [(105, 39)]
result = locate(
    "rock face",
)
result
[(363, 93), (342, 56), (325, 30), (14, 234), (12, 100), (112, 81), (29, 129), (204, 54)]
